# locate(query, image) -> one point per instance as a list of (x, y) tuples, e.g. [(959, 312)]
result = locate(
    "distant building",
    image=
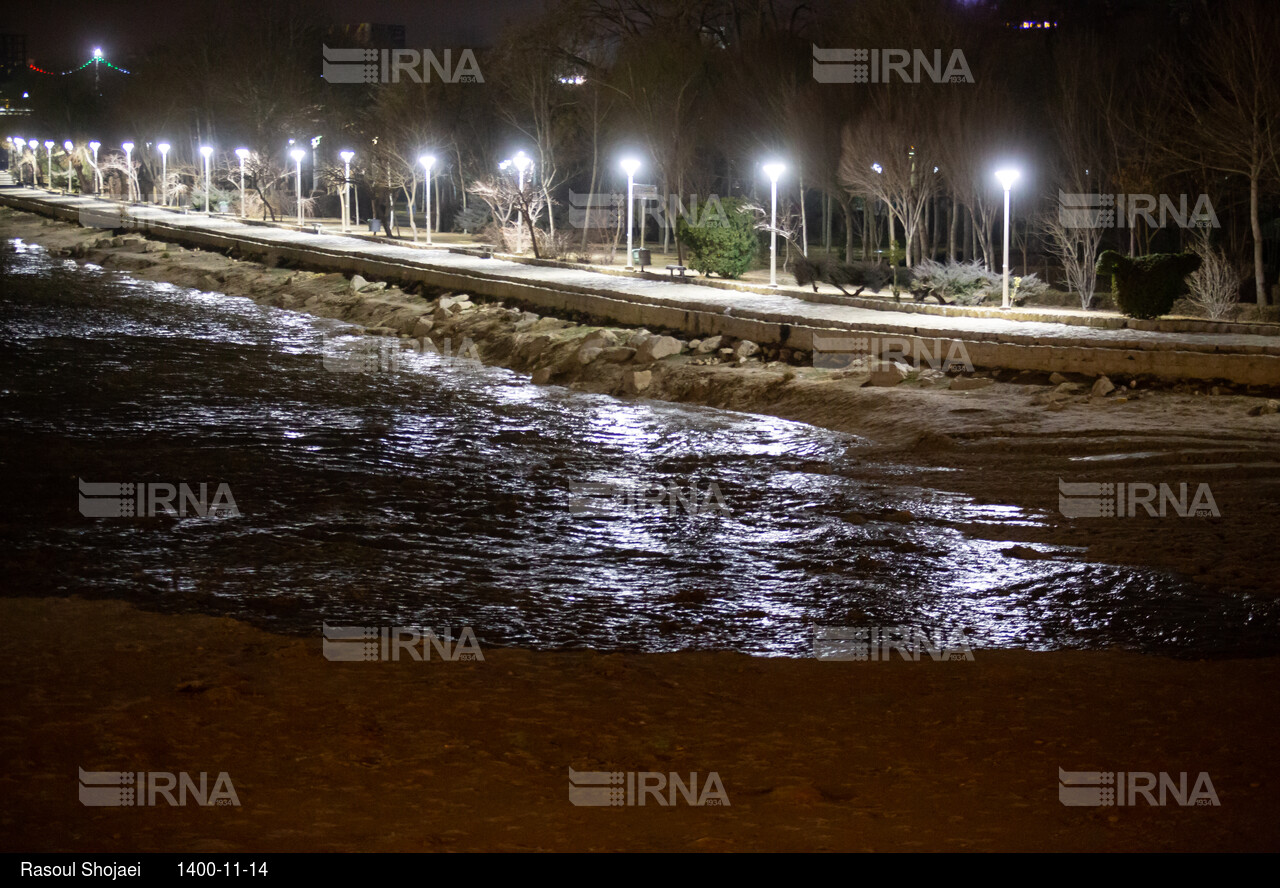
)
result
[(13, 54)]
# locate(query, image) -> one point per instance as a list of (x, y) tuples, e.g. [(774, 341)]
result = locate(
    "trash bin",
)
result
[(641, 258), (375, 225)]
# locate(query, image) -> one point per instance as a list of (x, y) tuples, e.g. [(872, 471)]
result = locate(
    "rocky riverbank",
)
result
[(1000, 437)]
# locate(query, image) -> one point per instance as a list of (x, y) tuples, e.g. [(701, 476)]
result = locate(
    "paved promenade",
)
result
[(696, 310)]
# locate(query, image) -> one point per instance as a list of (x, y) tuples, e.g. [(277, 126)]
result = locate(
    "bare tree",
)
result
[(1228, 118)]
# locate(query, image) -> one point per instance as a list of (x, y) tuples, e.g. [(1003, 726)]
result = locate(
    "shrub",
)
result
[(724, 244), (1147, 286), (842, 275), (473, 218), (1029, 286), (968, 283), (1214, 287)]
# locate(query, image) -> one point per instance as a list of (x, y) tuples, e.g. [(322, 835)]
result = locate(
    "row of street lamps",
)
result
[(520, 163)]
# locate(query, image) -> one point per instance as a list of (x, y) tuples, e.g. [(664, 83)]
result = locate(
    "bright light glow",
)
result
[(877, 168), (346, 156), (573, 80), (630, 165), (97, 52), (242, 153), (48, 145), (206, 150), (773, 171), (127, 146), (427, 161), (522, 161), (163, 147), (96, 145), (68, 146), (1007, 177), (297, 154), (504, 164)]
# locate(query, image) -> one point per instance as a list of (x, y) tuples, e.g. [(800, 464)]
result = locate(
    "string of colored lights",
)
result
[(82, 67)]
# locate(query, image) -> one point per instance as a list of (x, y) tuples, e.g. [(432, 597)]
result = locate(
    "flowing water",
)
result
[(444, 495)]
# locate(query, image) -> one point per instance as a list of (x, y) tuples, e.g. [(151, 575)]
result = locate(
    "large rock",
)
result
[(709, 345), (655, 348), (638, 337), (1265, 409), (970, 383), (887, 373), (1056, 379), (541, 376), (588, 354), (1102, 387), (619, 354), (455, 304), (422, 327), (636, 381), (746, 348), (601, 338)]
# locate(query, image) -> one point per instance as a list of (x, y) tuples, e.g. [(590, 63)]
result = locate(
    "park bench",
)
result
[(677, 270)]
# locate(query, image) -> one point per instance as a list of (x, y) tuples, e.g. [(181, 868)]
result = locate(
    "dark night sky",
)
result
[(66, 31)]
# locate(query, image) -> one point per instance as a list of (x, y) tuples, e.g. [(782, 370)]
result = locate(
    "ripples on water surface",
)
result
[(444, 495)]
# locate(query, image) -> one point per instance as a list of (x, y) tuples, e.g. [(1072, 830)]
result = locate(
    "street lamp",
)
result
[(97, 173), (1007, 177), (48, 150), (521, 162), (207, 151), (68, 147), (163, 148), (242, 153), (629, 166), (297, 154), (346, 188), (773, 171), (428, 162), (128, 168)]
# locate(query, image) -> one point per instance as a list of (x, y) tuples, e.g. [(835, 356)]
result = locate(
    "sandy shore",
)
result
[(416, 756)]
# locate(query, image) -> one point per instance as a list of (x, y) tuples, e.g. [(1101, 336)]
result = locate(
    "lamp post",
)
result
[(20, 143), (97, 173), (773, 171), (242, 153), (207, 151), (48, 151), (428, 162), (346, 188), (163, 148), (521, 162), (128, 169), (68, 147), (297, 154), (629, 166), (1007, 177)]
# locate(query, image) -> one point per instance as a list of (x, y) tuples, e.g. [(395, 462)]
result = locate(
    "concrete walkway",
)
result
[(695, 310)]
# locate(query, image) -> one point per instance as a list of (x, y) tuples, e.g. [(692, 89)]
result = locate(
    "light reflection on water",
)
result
[(442, 495)]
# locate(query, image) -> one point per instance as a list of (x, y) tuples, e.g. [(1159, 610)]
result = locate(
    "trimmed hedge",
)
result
[(725, 249), (1147, 286)]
